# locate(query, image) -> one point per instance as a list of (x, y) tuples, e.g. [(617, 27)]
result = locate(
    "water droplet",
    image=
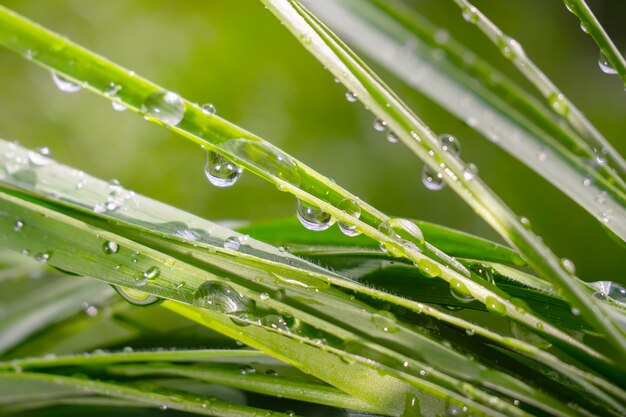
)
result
[(587, 181), (542, 155), (163, 407), (208, 108), (351, 97), (109, 247), (166, 106), (494, 306), (469, 173), (312, 217), (151, 273), (432, 179), (385, 321), (247, 370), (43, 257), (265, 157), (276, 322), (520, 331), (64, 84), (559, 103), (428, 268), (118, 106), (137, 298), (470, 14), (460, 292), (90, 310), (221, 298), (112, 89), (584, 26), (392, 138), (18, 226), (450, 144), (220, 171), (264, 296), (609, 289), (40, 157), (510, 48), (305, 39), (605, 65), (568, 265), (232, 243), (470, 332), (351, 208), (380, 125)]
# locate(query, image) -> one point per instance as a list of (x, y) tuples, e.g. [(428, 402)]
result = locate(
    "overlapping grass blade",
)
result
[(376, 96)]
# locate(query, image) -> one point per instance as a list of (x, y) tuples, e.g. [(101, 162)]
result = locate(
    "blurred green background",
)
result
[(236, 55)]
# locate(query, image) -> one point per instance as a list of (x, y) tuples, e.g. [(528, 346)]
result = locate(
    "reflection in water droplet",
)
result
[(109, 247), (64, 84), (428, 268), (276, 322), (392, 138), (605, 65), (232, 243), (166, 106), (351, 208), (460, 291), (137, 298), (568, 265), (151, 273), (510, 48), (559, 103), (40, 157), (43, 257), (312, 217), (494, 306), (118, 106), (208, 108), (609, 289), (380, 125), (351, 97), (220, 171), (18, 226), (450, 144), (220, 297), (432, 179)]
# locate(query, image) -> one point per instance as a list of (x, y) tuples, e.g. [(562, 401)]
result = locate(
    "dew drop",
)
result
[(605, 65), (151, 273), (276, 322), (385, 321), (43, 257), (568, 265), (312, 217), (18, 226), (351, 208), (219, 297), (64, 84), (247, 370), (90, 310), (137, 298), (470, 332), (558, 102), (494, 306), (392, 138), (118, 106), (166, 106), (460, 292), (450, 144), (351, 97), (470, 14), (586, 181), (208, 108), (428, 268), (432, 179), (109, 247), (220, 171), (469, 173), (380, 125), (510, 48), (232, 243), (40, 157), (584, 26), (609, 289)]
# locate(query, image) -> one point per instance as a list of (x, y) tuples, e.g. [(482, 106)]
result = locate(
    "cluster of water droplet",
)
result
[(117, 197), (432, 179)]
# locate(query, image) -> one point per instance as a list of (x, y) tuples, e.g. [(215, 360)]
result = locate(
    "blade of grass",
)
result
[(424, 143)]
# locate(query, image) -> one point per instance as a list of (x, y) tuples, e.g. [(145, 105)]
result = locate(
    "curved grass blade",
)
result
[(512, 50), (423, 142), (592, 26)]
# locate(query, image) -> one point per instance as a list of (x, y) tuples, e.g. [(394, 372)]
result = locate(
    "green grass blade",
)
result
[(424, 143)]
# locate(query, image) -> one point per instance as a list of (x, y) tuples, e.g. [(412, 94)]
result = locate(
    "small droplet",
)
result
[(432, 179), (605, 65), (18, 226), (470, 14), (494, 306), (232, 243), (380, 125), (137, 298), (470, 332), (587, 181), (64, 84), (118, 106), (90, 310), (460, 291), (247, 370), (450, 144), (276, 322), (351, 208), (584, 26), (220, 171), (392, 138), (568, 265), (40, 157), (469, 173), (109, 247), (542, 155), (510, 48), (43, 257), (166, 106), (312, 217), (151, 273), (428, 268), (264, 296), (221, 298), (525, 222), (163, 407), (559, 103), (351, 97), (208, 108)]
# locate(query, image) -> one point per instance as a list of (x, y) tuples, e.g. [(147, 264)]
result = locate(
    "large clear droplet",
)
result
[(220, 297), (460, 291), (109, 247), (220, 171), (137, 298), (165, 106), (313, 218), (432, 179), (450, 144), (351, 208), (605, 65), (611, 290), (40, 157), (64, 84)]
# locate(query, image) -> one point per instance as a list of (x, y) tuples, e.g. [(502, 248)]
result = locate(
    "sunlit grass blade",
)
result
[(512, 50), (376, 96)]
